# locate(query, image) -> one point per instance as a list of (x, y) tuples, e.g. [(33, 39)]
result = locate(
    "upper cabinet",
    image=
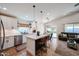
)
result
[(9, 22)]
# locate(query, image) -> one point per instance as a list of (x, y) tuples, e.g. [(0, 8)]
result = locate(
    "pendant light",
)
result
[(34, 12), (41, 12), (34, 17)]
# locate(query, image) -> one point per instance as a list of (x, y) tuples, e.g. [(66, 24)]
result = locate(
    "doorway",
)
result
[(52, 30)]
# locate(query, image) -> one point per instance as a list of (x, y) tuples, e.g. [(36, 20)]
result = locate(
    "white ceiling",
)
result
[(50, 10)]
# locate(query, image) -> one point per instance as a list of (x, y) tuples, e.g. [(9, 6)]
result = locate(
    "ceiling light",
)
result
[(26, 16), (48, 14), (76, 4), (4, 8), (0, 7)]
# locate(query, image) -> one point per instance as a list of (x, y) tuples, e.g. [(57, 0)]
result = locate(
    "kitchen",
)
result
[(13, 38), (14, 35), (9, 33), (33, 29)]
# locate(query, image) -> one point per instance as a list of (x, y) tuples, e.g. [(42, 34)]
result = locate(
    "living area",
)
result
[(67, 31)]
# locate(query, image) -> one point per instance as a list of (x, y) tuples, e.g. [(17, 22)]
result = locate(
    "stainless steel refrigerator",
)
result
[(2, 36)]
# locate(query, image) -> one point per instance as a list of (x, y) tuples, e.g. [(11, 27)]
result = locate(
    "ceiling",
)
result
[(25, 11)]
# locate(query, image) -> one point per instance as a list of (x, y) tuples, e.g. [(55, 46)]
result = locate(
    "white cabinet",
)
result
[(9, 22), (24, 39), (31, 45), (9, 42)]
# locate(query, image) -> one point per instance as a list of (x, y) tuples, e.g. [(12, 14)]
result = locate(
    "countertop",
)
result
[(35, 37), (11, 33)]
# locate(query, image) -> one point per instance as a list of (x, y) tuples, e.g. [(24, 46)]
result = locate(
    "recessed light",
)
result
[(4, 8), (26, 16), (0, 7), (48, 14)]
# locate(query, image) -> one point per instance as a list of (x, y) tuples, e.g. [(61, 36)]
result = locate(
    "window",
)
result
[(76, 28), (69, 28), (23, 29), (72, 28)]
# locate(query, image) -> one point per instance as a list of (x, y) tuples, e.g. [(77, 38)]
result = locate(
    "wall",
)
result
[(59, 23), (39, 26)]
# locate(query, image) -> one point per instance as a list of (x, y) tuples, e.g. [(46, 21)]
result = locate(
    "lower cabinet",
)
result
[(9, 42), (24, 39)]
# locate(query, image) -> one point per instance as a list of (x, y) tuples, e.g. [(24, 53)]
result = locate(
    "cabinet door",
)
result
[(9, 22), (13, 23), (31, 45), (9, 42), (24, 39), (5, 22)]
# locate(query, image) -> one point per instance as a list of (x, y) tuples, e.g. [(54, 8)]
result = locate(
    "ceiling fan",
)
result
[(77, 4)]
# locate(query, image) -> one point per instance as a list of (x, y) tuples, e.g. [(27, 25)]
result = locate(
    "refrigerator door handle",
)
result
[(2, 45)]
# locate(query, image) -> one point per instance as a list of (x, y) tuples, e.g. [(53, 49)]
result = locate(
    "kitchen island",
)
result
[(33, 43)]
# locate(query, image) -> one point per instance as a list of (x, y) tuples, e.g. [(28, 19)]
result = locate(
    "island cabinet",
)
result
[(36, 43)]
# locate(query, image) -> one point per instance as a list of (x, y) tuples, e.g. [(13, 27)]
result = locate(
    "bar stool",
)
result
[(49, 41), (43, 46)]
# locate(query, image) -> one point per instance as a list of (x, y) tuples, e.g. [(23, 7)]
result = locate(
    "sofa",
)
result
[(64, 36)]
